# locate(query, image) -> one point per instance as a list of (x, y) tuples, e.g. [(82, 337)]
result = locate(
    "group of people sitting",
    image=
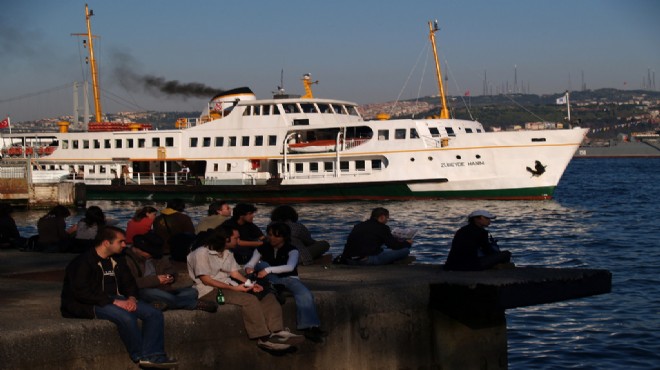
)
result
[(226, 259), (229, 261)]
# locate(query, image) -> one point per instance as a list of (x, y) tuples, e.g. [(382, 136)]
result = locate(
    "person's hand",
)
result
[(257, 288), (249, 270), (409, 241), (241, 288), (165, 279), (262, 274), (129, 305)]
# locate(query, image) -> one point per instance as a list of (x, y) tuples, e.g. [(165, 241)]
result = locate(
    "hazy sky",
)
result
[(362, 51)]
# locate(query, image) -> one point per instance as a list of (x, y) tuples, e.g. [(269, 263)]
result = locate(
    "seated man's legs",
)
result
[(140, 344), (306, 315), (261, 318), (388, 256), (185, 298)]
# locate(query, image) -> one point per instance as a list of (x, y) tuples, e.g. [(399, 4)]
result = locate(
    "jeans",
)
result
[(385, 257), (185, 298), (306, 316), (150, 341)]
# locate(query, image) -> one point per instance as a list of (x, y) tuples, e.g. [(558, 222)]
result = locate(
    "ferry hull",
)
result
[(305, 193)]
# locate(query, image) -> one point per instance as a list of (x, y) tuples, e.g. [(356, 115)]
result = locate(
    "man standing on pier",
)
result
[(99, 284)]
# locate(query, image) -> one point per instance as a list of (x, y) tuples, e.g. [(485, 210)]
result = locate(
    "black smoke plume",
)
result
[(125, 73)]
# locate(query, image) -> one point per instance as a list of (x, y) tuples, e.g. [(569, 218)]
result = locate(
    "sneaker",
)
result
[(315, 334), (273, 348), (287, 337), (158, 362), (206, 306), (160, 306)]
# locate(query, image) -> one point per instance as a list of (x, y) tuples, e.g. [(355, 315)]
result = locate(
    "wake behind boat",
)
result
[(289, 149)]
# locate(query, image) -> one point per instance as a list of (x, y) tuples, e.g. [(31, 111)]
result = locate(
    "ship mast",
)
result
[(92, 63), (444, 112)]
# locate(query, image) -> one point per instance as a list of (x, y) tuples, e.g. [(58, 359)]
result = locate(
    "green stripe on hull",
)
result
[(306, 193)]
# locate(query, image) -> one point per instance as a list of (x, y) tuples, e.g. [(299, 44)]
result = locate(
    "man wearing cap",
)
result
[(155, 276), (473, 248)]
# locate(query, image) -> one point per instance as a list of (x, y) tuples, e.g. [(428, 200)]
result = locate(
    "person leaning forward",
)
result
[(213, 268), (98, 283), (364, 245), (473, 248)]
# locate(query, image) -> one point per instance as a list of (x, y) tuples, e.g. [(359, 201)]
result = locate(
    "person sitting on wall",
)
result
[(301, 238), (10, 237), (155, 277), (250, 234), (219, 212), (218, 279), (98, 284), (53, 233), (176, 228), (364, 245), (473, 248), (277, 262)]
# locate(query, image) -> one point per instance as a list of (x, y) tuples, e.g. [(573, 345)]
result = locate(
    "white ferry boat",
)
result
[(291, 149)]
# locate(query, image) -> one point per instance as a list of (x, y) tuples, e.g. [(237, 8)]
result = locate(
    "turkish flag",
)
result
[(4, 123)]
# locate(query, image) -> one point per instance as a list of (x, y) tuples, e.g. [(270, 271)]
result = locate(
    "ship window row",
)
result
[(344, 166), (154, 142), (230, 141), (399, 134), (276, 109)]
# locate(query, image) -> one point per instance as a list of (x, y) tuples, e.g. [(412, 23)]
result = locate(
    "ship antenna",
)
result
[(444, 112)]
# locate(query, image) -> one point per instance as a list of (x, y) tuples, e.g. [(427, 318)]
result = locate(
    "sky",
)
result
[(361, 51)]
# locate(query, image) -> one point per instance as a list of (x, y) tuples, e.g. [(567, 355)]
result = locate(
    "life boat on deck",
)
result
[(316, 146), (15, 151)]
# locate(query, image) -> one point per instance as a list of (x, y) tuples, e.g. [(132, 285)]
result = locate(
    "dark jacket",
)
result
[(268, 255), (466, 246), (136, 264), (170, 223), (83, 284), (248, 232), (367, 239)]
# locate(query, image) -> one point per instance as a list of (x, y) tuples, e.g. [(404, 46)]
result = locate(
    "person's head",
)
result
[(110, 240), (149, 245), (94, 216), (232, 236), (59, 211), (279, 234), (480, 218), (176, 204), (284, 213), (215, 239), (244, 212), (144, 212), (219, 207), (5, 209), (380, 214)]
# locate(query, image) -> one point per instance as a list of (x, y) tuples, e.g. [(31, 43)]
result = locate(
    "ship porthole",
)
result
[(478, 156), (412, 159), (458, 157), (430, 158)]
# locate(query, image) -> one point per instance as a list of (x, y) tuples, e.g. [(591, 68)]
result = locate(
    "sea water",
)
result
[(604, 216)]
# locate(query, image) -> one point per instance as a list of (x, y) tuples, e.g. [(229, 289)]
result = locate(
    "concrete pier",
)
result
[(389, 317)]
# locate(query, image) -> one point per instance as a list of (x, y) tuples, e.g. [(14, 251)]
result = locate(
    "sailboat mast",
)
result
[(444, 112), (92, 63)]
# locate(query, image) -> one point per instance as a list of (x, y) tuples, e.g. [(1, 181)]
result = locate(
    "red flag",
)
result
[(4, 123), (467, 93)]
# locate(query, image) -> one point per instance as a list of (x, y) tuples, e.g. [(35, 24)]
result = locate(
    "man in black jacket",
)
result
[(98, 284), (364, 243), (473, 248)]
